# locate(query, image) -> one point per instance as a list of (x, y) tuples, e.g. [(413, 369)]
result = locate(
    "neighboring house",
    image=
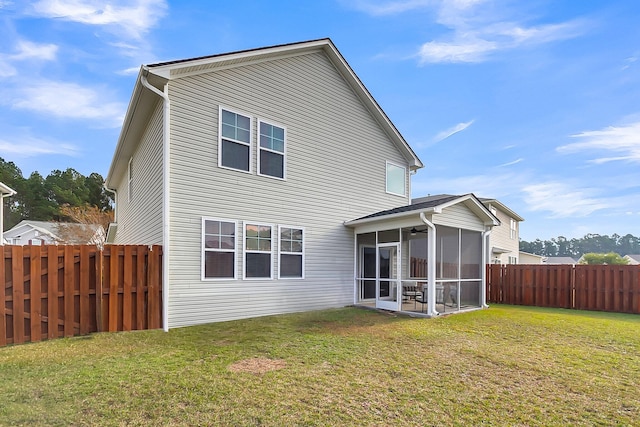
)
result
[(28, 232), (558, 260), (632, 259), (5, 191), (504, 241), (272, 178), (527, 258)]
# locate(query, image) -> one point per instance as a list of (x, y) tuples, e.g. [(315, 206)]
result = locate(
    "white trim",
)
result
[(129, 180), (249, 144), (280, 252), (244, 250), (259, 149), (404, 181), (203, 250)]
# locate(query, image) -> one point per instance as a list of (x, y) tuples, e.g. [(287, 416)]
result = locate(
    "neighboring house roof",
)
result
[(633, 259), (502, 207), (66, 232), (433, 204), (5, 190), (159, 74), (558, 260)]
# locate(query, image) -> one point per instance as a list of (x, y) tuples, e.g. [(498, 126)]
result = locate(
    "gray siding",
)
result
[(459, 216), (336, 166), (501, 237), (140, 219)]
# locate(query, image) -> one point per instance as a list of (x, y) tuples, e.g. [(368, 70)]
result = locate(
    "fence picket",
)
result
[(614, 288), (52, 291)]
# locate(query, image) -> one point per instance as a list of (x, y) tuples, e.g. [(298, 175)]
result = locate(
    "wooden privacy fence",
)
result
[(60, 291), (614, 288)]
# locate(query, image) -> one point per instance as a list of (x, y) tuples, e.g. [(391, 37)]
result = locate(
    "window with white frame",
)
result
[(130, 180), (271, 150), (234, 148), (257, 251), (396, 179), (513, 260), (291, 262), (219, 247), (513, 229)]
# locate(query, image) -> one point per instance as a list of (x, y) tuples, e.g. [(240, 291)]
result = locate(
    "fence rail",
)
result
[(52, 291), (614, 288)]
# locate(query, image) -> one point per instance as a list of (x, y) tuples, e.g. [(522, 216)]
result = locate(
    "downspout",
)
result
[(431, 267), (165, 192), (485, 252)]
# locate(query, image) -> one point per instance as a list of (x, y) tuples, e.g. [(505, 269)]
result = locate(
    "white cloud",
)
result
[(452, 131), (624, 141), (377, 8), (561, 200), (515, 162), (69, 100), (29, 50), (131, 17), (28, 146)]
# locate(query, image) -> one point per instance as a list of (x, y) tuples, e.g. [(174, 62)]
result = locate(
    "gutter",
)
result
[(431, 267), (165, 191)]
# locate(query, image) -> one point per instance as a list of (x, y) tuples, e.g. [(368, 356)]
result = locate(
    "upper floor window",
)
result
[(271, 150), (291, 262), (258, 249), (234, 148), (219, 246), (513, 229), (396, 179)]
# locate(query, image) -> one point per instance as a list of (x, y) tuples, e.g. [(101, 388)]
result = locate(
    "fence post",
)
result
[(36, 288)]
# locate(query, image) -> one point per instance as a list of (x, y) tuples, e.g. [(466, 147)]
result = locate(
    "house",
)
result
[(272, 179), (5, 191), (28, 232), (558, 260), (504, 239), (529, 258), (632, 259)]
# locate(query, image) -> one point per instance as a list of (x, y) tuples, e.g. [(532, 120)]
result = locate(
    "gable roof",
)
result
[(558, 260), (431, 204), (73, 231), (502, 207), (633, 257), (159, 74), (5, 190)]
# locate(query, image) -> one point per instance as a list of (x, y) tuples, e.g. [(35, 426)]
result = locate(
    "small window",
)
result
[(513, 229), (234, 149), (291, 262), (271, 150), (396, 179), (258, 249), (130, 180), (218, 249)]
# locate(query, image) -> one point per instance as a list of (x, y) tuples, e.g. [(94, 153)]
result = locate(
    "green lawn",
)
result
[(502, 366)]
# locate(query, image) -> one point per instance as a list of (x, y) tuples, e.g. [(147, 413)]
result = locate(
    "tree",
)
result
[(98, 196), (11, 175), (36, 201), (610, 258), (87, 214)]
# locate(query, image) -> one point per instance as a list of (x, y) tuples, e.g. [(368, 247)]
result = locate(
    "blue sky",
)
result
[(535, 103)]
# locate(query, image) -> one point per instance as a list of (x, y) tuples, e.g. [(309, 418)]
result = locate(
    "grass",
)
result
[(503, 366)]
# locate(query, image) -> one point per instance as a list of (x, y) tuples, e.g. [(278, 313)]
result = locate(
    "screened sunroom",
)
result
[(427, 258)]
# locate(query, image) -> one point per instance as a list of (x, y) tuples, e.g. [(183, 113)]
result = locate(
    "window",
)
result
[(513, 260), (291, 263), (513, 229), (234, 148), (257, 257), (130, 180), (271, 150), (396, 179), (218, 249)]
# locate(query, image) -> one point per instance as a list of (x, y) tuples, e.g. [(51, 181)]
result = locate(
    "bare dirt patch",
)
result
[(257, 365)]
